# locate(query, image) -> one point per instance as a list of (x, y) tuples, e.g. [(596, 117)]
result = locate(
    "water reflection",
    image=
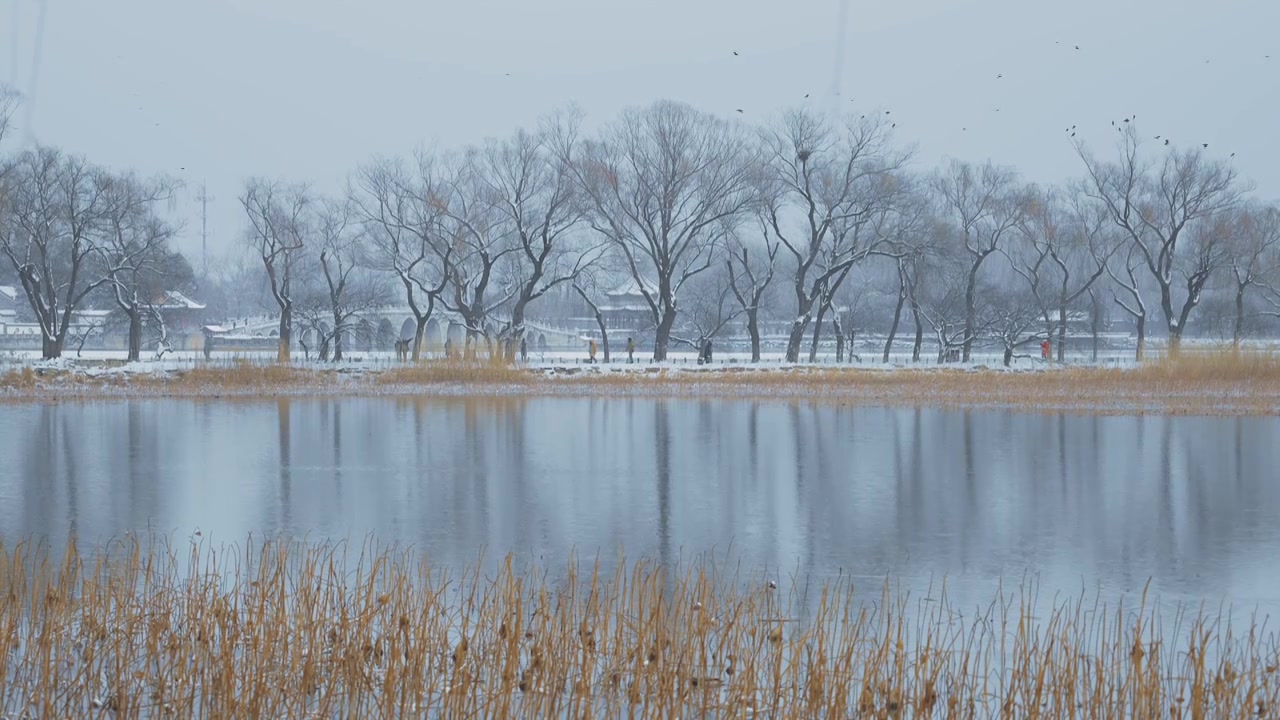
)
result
[(916, 493)]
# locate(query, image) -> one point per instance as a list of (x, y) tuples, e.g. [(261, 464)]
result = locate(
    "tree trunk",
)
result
[(1142, 338), (970, 311), (893, 326), (337, 338), (794, 339), (1175, 341), (817, 332), (135, 335), (919, 340), (662, 335), (835, 328), (1008, 356), (1239, 331), (286, 325), (753, 329), (419, 331), (1062, 334), (604, 334), (1095, 323), (50, 348)]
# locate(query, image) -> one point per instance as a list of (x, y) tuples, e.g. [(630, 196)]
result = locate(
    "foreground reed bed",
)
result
[(135, 630)]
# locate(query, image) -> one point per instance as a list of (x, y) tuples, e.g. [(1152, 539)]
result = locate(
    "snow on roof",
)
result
[(9, 291), (175, 299)]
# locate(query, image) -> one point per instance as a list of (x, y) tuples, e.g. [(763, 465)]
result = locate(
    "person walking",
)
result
[(592, 350), (524, 350), (1044, 350), (631, 351)]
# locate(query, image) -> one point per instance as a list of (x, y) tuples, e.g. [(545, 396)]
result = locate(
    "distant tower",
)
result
[(204, 199)]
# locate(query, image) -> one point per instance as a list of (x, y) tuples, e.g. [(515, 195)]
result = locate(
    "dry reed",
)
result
[(287, 630)]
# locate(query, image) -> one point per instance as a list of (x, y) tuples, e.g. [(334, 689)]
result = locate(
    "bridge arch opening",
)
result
[(386, 337), (431, 335)]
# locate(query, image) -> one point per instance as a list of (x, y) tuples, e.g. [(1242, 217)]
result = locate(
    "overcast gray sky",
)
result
[(307, 89)]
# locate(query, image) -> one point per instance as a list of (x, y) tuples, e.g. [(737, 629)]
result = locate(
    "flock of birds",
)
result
[(1071, 130)]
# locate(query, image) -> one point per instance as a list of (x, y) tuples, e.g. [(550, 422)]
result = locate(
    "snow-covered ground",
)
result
[(114, 360)]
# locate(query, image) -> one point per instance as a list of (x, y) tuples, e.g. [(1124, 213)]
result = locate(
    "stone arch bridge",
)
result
[(380, 328)]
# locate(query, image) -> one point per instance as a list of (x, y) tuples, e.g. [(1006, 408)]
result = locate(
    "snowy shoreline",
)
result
[(1039, 388)]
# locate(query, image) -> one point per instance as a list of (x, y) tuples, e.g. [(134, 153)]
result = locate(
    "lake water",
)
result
[(1080, 502)]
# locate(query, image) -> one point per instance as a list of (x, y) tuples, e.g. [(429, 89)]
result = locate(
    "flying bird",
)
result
[(1077, 47), (1157, 137), (739, 109), (1073, 134), (999, 75), (806, 95), (1233, 154), (735, 53), (886, 112), (1204, 144), (1166, 142), (1126, 119)]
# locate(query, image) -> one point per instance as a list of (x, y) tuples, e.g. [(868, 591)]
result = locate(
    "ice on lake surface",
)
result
[(1081, 502)]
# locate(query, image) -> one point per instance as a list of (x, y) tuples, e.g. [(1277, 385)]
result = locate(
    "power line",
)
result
[(35, 69), (204, 199)]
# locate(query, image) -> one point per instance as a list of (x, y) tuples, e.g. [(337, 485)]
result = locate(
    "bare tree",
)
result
[(54, 220), (586, 288), (402, 228), (942, 293), (474, 238), (750, 275), (1014, 317), (1130, 298), (823, 185), (1157, 205), (278, 230), (712, 306), (910, 261), (532, 190), (986, 206), (1253, 253), (1065, 248), (348, 286), (848, 316), (659, 186), (134, 251)]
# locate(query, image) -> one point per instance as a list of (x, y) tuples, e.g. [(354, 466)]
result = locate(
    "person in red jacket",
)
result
[(1044, 350)]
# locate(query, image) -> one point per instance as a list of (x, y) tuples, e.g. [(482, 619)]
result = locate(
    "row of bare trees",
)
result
[(72, 233), (811, 222)]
